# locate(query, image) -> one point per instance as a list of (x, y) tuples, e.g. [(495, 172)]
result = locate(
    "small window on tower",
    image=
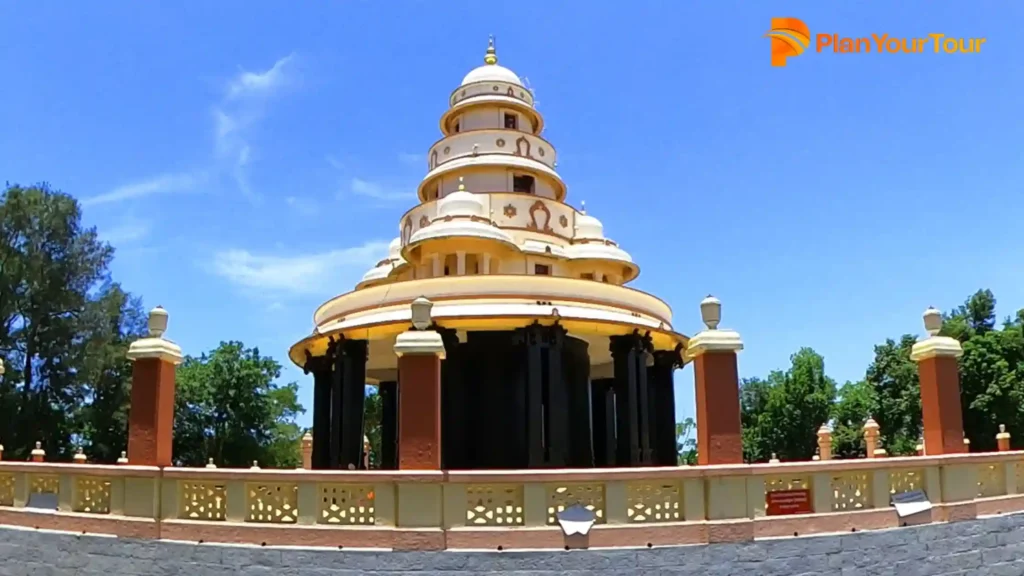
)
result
[(457, 127), (511, 121), (542, 270), (587, 276), (522, 183)]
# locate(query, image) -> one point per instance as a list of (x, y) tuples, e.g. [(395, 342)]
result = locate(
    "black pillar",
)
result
[(603, 418), (388, 425), (337, 377), (576, 366), (534, 384), (629, 357), (320, 366), (543, 378), (353, 389), (662, 403), (557, 417), (495, 394), (453, 402)]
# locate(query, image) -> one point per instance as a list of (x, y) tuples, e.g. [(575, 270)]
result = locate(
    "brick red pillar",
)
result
[(1002, 439), (420, 352), (151, 415), (939, 375), (307, 451), (719, 440)]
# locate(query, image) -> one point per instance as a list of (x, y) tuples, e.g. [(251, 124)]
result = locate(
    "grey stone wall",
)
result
[(993, 546)]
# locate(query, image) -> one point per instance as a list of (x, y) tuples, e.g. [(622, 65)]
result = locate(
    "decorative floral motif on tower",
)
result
[(406, 230), (523, 147), (424, 222), (540, 217), (510, 211), (563, 221)]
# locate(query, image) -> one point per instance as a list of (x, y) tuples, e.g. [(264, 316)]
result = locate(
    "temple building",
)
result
[(550, 359)]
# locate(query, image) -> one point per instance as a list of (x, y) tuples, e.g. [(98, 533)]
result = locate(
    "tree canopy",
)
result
[(781, 413), (65, 328)]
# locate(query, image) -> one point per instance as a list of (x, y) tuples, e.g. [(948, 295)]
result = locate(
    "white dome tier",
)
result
[(461, 214), (588, 227), (461, 204), (491, 71)]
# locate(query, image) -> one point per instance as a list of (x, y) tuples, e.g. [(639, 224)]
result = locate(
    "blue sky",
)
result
[(250, 160)]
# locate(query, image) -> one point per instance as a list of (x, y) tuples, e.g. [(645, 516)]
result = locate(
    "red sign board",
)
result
[(783, 502)]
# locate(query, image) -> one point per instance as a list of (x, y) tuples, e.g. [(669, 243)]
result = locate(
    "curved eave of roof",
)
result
[(470, 316), (594, 251), (499, 160), (492, 100)]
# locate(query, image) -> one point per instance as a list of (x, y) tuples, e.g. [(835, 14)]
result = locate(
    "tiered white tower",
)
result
[(492, 201), (543, 340)]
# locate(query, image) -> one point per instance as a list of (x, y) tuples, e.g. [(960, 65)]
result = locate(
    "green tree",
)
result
[(229, 408), (754, 394), (372, 413), (785, 411), (893, 378), (856, 402), (64, 327), (686, 444)]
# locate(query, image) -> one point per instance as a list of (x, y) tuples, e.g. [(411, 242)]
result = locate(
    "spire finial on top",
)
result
[(491, 57), (583, 206)]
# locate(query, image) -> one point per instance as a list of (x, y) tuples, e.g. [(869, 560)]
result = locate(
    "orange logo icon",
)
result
[(790, 37)]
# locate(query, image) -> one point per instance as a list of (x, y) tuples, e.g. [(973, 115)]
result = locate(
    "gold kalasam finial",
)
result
[(491, 57)]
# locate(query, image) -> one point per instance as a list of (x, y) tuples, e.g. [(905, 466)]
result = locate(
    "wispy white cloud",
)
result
[(163, 184), (416, 160), (379, 191), (126, 232), (243, 106), (302, 274), (250, 84)]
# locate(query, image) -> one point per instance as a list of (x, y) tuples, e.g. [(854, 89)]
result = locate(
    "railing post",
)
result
[(616, 502), (236, 501), (939, 375), (535, 504), (21, 488), (151, 414), (880, 489), (755, 497), (825, 442), (307, 451), (821, 492), (871, 437), (66, 492), (960, 486), (694, 509), (384, 504), (454, 505), (309, 503), (719, 438), (1003, 439), (38, 454)]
